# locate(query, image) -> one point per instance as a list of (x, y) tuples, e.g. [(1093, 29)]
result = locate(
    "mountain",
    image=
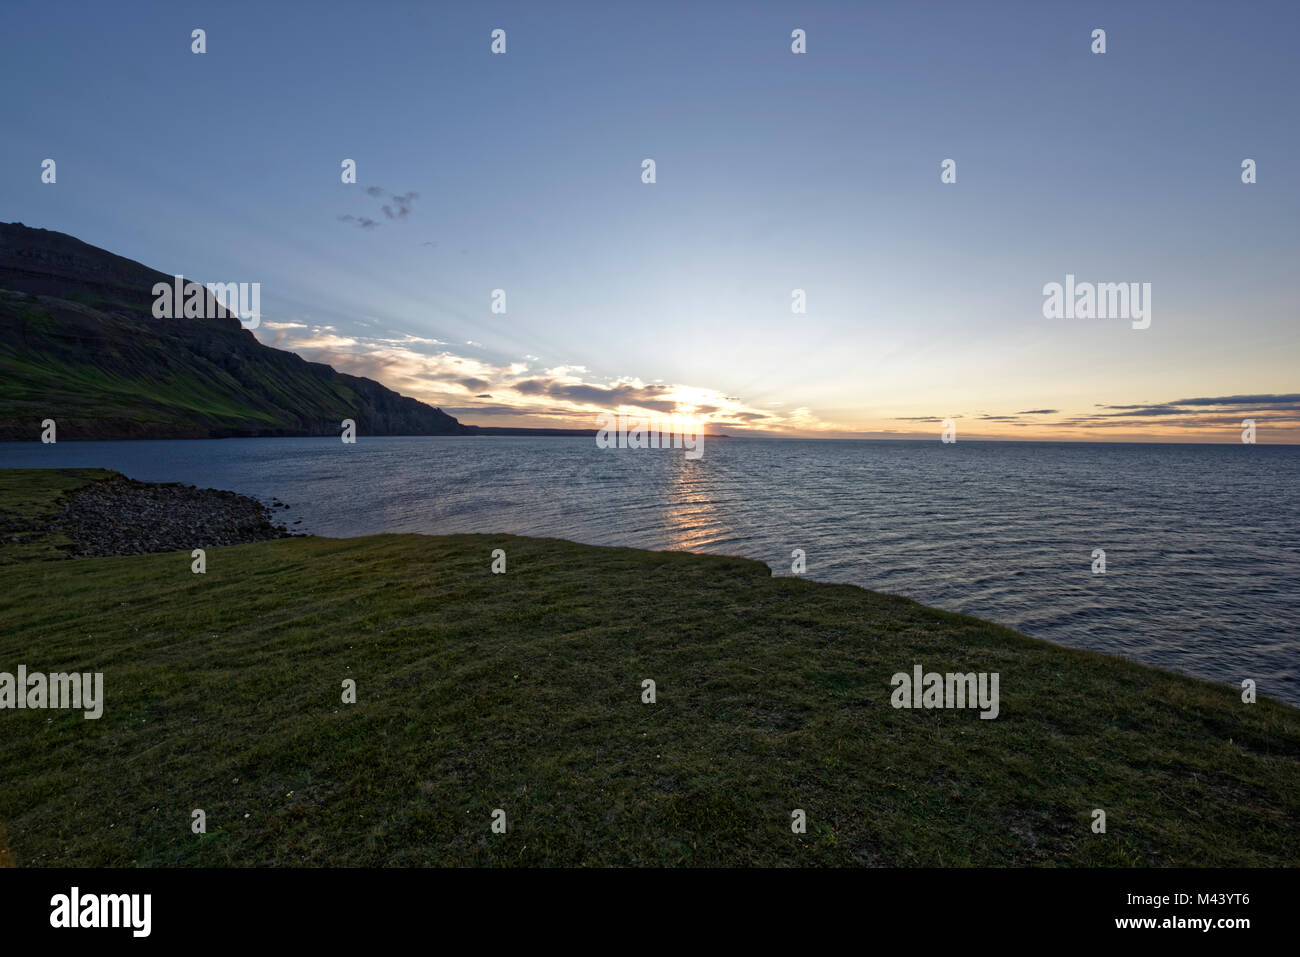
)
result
[(79, 344)]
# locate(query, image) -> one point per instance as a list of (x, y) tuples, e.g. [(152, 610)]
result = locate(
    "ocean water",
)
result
[(1202, 543)]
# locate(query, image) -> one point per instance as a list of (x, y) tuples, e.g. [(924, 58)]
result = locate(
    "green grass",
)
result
[(522, 691), (131, 370), (86, 391)]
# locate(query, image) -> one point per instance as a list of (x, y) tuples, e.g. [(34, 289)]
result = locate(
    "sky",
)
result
[(774, 172)]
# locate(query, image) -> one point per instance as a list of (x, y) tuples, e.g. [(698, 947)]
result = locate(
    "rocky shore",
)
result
[(120, 516)]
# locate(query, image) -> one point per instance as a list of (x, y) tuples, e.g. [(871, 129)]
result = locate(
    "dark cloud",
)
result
[(1143, 412), (616, 395), (483, 411), (1187, 406), (365, 222), (646, 397), (1202, 412), (1290, 401), (474, 383), (401, 205), (398, 207), (531, 386)]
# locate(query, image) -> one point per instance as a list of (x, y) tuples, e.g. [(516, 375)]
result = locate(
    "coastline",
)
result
[(101, 512), (125, 519), (523, 690)]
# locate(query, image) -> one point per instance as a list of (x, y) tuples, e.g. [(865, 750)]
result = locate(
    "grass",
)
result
[(130, 370), (522, 691), (86, 391)]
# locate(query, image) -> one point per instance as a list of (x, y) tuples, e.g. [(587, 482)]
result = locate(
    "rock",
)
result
[(120, 516)]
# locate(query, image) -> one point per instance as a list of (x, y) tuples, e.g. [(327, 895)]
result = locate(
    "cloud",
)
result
[(566, 396), (398, 208), (1140, 411), (648, 397), (1267, 401), (1205, 405), (401, 205), (365, 222), (408, 340), (1202, 413)]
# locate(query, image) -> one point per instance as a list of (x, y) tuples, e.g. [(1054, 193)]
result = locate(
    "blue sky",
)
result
[(775, 171)]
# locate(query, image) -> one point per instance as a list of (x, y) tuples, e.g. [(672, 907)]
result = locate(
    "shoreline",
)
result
[(524, 690), (86, 531)]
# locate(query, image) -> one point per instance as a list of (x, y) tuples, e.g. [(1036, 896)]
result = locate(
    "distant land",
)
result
[(79, 344)]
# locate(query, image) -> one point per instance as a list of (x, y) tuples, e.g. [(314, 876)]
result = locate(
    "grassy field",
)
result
[(522, 691)]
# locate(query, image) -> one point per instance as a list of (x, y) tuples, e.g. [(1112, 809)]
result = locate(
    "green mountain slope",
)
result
[(79, 344)]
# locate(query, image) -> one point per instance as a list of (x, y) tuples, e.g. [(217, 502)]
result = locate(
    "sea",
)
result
[(1201, 542)]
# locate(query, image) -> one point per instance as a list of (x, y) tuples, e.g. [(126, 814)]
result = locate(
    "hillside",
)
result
[(523, 691), (79, 344)]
